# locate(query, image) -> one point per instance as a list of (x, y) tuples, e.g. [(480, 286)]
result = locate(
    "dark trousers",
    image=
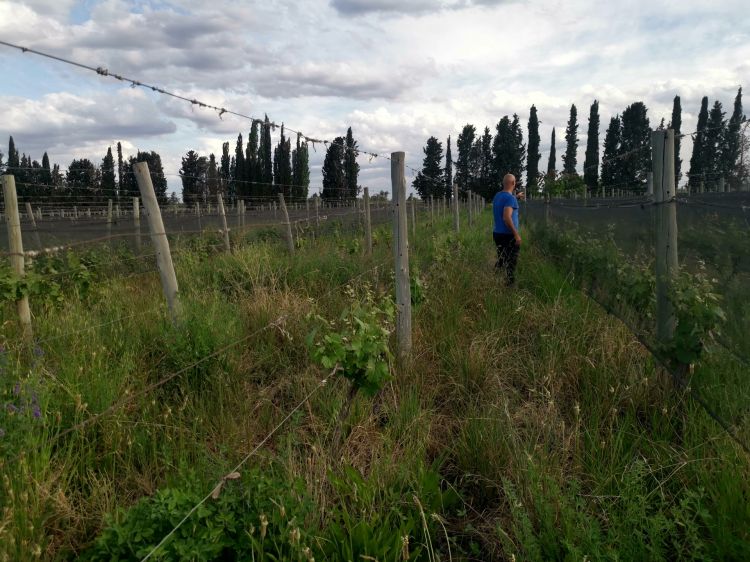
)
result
[(507, 255)]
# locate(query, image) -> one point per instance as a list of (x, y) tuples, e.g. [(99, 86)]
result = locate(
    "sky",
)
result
[(396, 71)]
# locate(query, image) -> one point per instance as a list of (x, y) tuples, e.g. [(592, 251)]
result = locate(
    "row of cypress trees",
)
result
[(484, 159), (83, 180)]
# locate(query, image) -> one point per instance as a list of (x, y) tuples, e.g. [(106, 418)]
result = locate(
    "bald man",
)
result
[(506, 236)]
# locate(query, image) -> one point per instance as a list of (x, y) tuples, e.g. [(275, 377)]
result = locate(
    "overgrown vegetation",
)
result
[(529, 424)]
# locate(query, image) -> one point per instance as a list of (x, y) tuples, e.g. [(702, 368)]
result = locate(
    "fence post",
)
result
[(662, 156), (414, 219), (289, 239), (432, 211), (455, 207), (401, 254), (368, 223), (469, 207), (225, 228), (722, 186), (317, 212), (137, 222), (159, 239), (109, 217), (30, 213), (15, 247), (650, 184)]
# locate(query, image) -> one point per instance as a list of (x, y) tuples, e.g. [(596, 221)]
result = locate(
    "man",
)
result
[(506, 236)]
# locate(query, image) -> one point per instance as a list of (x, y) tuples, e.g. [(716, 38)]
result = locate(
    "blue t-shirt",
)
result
[(504, 199)]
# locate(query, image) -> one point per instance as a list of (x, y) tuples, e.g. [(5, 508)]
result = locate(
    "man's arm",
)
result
[(508, 220)]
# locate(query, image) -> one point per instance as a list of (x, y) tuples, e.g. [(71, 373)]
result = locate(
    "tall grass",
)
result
[(527, 425)]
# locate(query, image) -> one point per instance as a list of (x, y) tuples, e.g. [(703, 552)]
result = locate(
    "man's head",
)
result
[(509, 182)]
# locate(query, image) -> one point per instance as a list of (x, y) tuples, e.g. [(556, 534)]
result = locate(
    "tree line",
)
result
[(83, 179), (483, 159)]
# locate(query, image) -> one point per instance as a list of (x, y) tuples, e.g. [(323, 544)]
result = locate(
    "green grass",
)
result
[(528, 424)]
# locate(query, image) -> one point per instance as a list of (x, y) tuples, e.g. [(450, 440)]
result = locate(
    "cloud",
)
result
[(60, 121), (352, 8)]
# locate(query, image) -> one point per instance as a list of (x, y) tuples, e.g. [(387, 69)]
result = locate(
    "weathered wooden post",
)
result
[(109, 217), (650, 184), (223, 218), (137, 222), (15, 248), (432, 211), (722, 185), (455, 208), (159, 239), (401, 254), (414, 219), (289, 238), (469, 207), (30, 214), (368, 223), (662, 157)]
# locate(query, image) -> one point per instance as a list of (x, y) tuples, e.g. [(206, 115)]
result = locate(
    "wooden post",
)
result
[(137, 222), (289, 239), (159, 239), (469, 206), (722, 185), (455, 207), (650, 184), (414, 219), (432, 211), (109, 217), (15, 248), (239, 213), (224, 227), (662, 156), (368, 223), (401, 254)]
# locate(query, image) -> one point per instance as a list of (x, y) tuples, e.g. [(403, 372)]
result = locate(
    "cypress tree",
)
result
[(119, 169), (503, 156), (13, 160), (715, 144), (225, 172), (733, 143), (518, 155), (212, 177), (448, 170), (240, 172), (333, 171), (351, 168), (153, 159), (551, 163), (465, 143), (282, 165), (611, 163), (532, 160), (45, 176), (265, 164), (429, 181), (591, 163), (109, 188), (484, 173), (570, 159), (635, 145), (251, 160), (676, 124), (300, 169), (697, 160)]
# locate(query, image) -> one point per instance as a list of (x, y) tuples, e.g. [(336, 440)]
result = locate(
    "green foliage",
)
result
[(258, 517), (357, 342), (641, 522), (393, 522), (48, 279), (630, 287)]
